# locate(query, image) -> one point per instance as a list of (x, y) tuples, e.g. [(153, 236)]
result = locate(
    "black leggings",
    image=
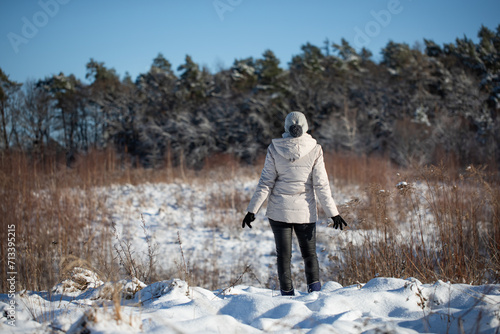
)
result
[(306, 235)]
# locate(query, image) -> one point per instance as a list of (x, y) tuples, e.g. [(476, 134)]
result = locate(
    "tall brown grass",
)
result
[(430, 223), (54, 213), (442, 224), (62, 222)]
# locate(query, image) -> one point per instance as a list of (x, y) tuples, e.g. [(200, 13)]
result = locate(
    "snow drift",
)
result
[(387, 305)]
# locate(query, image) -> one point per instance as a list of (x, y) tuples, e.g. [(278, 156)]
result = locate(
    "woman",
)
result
[(293, 177)]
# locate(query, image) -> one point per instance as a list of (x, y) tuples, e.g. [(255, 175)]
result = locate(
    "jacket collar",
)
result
[(292, 148)]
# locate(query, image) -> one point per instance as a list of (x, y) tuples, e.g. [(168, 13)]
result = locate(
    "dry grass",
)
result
[(440, 224), (443, 224), (54, 214), (58, 216), (346, 169)]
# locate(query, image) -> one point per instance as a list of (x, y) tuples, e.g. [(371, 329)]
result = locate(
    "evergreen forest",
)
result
[(417, 105)]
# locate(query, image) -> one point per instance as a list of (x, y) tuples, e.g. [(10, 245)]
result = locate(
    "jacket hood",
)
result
[(294, 148), (298, 119)]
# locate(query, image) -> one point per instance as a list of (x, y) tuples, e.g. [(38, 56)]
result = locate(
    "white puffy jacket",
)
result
[(293, 176)]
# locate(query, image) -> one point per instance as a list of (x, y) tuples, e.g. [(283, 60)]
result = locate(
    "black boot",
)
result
[(288, 293), (316, 286)]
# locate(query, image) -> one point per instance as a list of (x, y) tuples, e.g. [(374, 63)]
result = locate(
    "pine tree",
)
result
[(160, 64), (108, 100), (190, 84), (432, 49), (310, 59), (268, 68), (396, 55), (66, 91), (243, 74), (345, 51)]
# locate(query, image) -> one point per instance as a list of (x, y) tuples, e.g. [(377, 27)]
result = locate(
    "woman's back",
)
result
[(292, 176)]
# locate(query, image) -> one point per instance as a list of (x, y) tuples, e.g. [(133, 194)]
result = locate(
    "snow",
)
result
[(381, 305), (208, 223), (402, 185)]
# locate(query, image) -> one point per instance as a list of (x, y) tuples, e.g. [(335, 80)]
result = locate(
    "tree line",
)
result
[(415, 105)]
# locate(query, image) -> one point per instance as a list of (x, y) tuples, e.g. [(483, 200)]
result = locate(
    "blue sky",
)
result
[(41, 38)]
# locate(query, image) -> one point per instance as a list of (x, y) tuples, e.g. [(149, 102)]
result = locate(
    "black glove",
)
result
[(338, 221), (250, 217)]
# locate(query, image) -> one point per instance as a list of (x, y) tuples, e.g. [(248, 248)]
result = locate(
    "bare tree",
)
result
[(37, 118), (7, 89)]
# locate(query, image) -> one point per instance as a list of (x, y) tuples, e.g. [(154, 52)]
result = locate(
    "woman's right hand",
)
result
[(250, 217)]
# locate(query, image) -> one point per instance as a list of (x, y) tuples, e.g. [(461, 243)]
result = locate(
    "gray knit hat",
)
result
[(295, 124)]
